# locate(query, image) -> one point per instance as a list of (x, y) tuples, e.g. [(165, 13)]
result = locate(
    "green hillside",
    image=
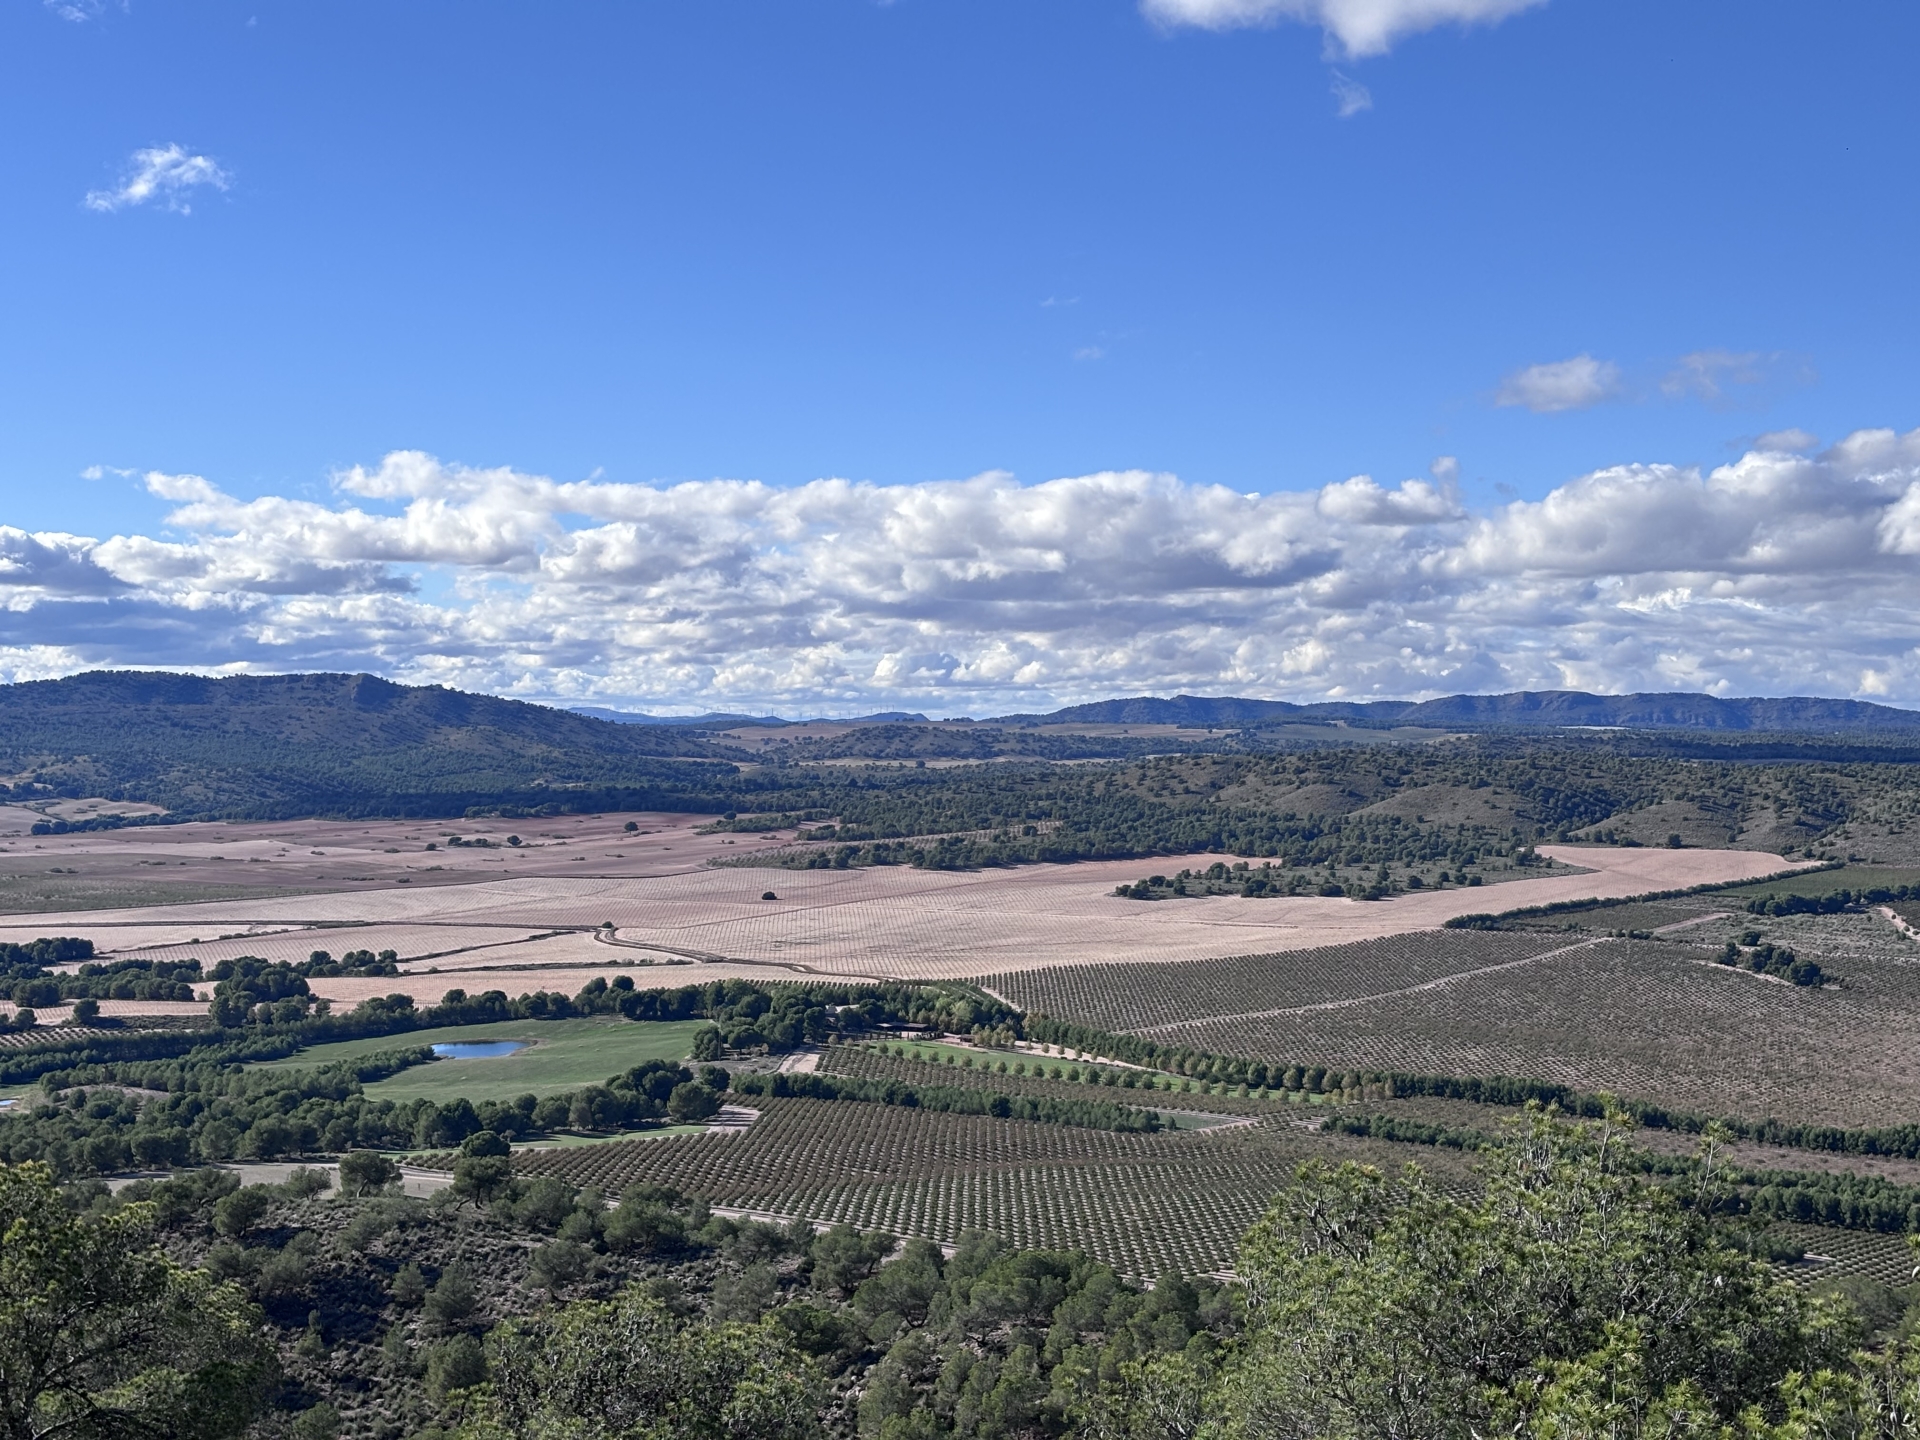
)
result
[(268, 747)]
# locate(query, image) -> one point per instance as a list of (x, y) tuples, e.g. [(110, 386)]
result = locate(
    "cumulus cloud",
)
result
[(1353, 27), (1561, 385), (982, 594), (163, 175)]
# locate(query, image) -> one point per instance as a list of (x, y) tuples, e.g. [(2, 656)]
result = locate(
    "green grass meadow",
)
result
[(560, 1055)]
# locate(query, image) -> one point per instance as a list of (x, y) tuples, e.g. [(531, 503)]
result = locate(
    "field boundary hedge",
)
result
[(1489, 920), (1084, 1114)]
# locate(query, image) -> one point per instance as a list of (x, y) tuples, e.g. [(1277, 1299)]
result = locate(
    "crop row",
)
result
[(1150, 1090), (1885, 1258), (1640, 1019), (802, 1144), (1143, 1203), (1141, 996)]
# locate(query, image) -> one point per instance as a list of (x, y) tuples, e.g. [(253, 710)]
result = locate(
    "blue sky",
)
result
[(905, 244)]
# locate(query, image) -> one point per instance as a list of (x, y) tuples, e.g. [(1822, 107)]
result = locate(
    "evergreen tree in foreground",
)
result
[(101, 1335), (1569, 1300)]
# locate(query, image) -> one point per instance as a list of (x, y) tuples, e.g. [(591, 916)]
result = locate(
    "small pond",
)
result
[(478, 1049)]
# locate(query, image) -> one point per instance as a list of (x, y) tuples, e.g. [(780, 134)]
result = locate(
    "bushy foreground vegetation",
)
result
[(1568, 1295)]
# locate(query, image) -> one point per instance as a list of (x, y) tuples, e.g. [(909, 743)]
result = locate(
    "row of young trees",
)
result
[(1084, 1114), (1902, 1141)]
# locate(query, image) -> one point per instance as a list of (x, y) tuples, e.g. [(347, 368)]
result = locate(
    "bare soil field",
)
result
[(670, 906), (146, 866)]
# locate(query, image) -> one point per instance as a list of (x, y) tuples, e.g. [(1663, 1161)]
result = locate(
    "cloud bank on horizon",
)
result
[(1781, 572)]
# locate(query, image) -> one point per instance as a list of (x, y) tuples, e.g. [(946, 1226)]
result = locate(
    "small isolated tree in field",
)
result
[(101, 1335)]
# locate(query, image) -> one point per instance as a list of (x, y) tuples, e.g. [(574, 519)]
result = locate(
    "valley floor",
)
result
[(548, 931)]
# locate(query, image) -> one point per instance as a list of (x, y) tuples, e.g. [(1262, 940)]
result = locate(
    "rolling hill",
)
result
[(274, 747), (270, 747)]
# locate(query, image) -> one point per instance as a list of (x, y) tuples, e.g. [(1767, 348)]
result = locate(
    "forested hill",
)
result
[(1527, 708), (275, 746)]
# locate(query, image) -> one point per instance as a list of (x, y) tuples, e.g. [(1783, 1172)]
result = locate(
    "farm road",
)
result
[(1342, 1004)]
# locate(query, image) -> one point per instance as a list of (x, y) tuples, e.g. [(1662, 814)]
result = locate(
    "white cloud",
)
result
[(1726, 377), (1561, 385), (1353, 27), (78, 11), (1361, 501), (164, 174), (983, 594), (1351, 95)]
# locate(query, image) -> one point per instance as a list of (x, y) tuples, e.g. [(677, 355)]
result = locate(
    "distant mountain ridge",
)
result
[(712, 720), (725, 720), (275, 746), (1533, 709)]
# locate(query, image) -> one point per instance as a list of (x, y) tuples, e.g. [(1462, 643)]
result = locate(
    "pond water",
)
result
[(478, 1049)]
